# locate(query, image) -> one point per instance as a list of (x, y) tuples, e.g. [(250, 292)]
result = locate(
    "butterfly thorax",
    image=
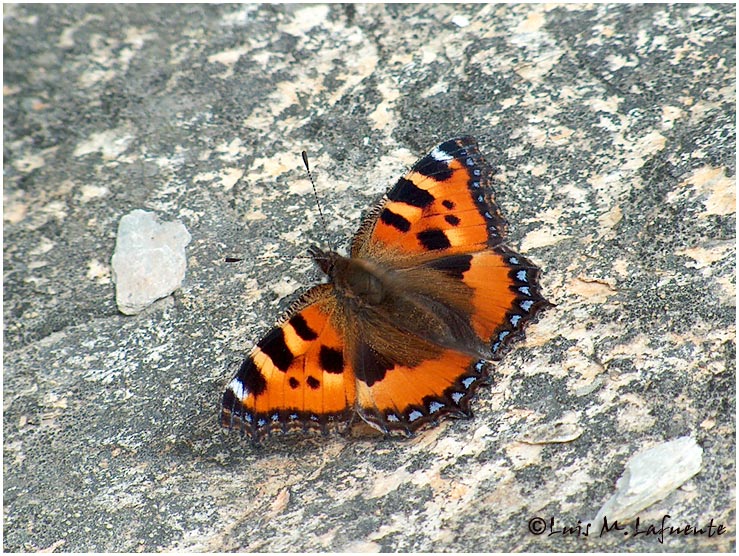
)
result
[(359, 281)]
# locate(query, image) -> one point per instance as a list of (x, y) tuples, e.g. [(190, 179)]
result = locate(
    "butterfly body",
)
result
[(403, 332)]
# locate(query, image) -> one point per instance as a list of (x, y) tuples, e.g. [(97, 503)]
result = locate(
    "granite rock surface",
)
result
[(612, 130)]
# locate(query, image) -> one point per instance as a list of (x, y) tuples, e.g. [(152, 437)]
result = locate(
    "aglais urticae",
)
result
[(403, 332)]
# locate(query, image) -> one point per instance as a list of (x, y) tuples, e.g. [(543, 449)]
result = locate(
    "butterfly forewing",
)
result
[(442, 206), (295, 376)]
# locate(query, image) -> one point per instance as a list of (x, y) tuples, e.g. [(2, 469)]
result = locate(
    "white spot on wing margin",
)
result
[(441, 156), (237, 387)]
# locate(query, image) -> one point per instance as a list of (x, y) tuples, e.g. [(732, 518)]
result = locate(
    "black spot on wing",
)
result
[(293, 382), (251, 377), (395, 220), (454, 266), (405, 191), (274, 346), (433, 239), (432, 168), (453, 147), (448, 204), (312, 383), (452, 220), (331, 360), (302, 329)]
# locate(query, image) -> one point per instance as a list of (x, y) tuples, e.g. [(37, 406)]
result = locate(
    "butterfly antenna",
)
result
[(315, 193)]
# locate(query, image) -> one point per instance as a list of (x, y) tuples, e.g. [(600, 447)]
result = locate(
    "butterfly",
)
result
[(403, 332)]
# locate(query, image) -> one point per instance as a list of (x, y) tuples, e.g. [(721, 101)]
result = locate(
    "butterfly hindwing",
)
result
[(408, 397), (504, 293), (500, 295)]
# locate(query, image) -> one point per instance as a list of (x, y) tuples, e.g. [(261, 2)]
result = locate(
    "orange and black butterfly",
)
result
[(403, 332)]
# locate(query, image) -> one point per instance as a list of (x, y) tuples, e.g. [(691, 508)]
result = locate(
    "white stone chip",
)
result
[(149, 260), (650, 476), (460, 21)]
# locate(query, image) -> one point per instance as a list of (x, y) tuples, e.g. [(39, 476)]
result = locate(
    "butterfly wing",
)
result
[(441, 207), (295, 376), (504, 293), (397, 397), (441, 229)]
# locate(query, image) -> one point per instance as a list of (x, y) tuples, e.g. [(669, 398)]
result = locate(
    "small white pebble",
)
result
[(460, 21), (149, 260)]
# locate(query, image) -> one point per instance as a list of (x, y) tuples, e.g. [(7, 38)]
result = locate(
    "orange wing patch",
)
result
[(506, 313), (295, 376)]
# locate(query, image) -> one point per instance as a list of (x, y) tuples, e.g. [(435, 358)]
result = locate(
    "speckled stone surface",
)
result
[(612, 129)]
